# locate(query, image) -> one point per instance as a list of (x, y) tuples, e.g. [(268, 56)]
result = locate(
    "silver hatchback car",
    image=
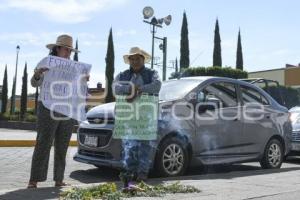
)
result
[(202, 121)]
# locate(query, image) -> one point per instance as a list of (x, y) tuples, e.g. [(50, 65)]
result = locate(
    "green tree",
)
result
[(23, 107), (239, 53), (4, 97), (217, 57), (184, 44), (110, 68), (75, 58), (13, 97), (176, 65)]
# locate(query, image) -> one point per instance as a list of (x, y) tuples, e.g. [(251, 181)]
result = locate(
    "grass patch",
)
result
[(109, 191)]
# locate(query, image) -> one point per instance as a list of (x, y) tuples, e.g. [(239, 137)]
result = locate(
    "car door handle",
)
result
[(236, 119), (268, 116)]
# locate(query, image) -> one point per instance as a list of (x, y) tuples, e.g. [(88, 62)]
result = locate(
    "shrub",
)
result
[(31, 118), (31, 111), (212, 71)]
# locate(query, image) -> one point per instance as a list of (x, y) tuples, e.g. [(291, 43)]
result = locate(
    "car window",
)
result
[(176, 89), (224, 92), (250, 95)]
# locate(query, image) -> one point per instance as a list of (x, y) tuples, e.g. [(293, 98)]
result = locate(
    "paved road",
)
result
[(247, 181)]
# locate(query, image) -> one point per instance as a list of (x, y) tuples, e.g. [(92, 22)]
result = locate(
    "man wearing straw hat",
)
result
[(132, 82), (48, 128)]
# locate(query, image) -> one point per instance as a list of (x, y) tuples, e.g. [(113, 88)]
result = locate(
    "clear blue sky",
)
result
[(269, 29)]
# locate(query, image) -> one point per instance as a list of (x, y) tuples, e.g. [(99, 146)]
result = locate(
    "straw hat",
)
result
[(63, 41), (136, 51)]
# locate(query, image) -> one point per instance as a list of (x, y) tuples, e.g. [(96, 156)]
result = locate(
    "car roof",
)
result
[(216, 78), (203, 78)]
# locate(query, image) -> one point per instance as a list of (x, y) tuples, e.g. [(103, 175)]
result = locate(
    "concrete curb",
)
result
[(25, 143)]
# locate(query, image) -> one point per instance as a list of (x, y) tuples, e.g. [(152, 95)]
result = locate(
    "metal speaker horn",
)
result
[(160, 21), (148, 12), (168, 20)]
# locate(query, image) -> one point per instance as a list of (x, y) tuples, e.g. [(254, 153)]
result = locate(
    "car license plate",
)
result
[(296, 146), (91, 141)]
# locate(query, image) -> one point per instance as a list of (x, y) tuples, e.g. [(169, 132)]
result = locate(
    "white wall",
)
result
[(277, 75)]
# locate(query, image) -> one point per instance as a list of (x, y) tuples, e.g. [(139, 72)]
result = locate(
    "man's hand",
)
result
[(136, 92)]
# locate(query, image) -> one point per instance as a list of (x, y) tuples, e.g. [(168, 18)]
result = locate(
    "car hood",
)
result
[(106, 110)]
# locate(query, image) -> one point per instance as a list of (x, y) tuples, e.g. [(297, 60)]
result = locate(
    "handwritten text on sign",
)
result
[(64, 87)]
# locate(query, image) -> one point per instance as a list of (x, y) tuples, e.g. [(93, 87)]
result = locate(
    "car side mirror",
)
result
[(200, 97)]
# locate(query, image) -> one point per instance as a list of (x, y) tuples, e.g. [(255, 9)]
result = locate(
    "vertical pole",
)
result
[(164, 58), (152, 55)]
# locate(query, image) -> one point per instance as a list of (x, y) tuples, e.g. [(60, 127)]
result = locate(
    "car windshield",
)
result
[(176, 89)]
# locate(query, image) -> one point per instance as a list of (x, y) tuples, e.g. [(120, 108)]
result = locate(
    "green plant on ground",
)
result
[(14, 117), (31, 111), (109, 191), (31, 118)]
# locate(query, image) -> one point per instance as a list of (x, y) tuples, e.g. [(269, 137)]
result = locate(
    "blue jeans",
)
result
[(137, 158)]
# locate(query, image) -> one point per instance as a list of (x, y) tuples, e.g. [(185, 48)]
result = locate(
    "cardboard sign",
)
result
[(136, 120)]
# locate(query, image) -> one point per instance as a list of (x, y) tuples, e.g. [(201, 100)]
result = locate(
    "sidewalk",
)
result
[(23, 138)]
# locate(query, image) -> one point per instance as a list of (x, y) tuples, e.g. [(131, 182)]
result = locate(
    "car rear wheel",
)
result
[(172, 157), (273, 155)]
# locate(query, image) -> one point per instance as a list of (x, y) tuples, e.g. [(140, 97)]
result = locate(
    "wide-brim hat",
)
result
[(136, 51), (63, 41)]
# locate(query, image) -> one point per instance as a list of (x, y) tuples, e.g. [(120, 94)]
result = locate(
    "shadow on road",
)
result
[(32, 194), (104, 174), (293, 160), (95, 175), (228, 172)]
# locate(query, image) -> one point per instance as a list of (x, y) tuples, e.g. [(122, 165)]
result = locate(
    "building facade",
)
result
[(288, 76)]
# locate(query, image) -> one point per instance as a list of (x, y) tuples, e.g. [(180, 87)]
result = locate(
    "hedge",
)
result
[(212, 71)]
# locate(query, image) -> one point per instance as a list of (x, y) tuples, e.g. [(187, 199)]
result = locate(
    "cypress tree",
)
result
[(176, 65), (110, 68), (217, 57), (184, 44), (75, 58), (23, 107), (13, 97), (4, 97), (239, 54)]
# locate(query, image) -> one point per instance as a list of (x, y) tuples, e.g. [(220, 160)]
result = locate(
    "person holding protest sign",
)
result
[(52, 127), (131, 83)]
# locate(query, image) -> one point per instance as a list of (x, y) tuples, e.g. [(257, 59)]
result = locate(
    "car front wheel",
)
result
[(273, 155), (172, 157)]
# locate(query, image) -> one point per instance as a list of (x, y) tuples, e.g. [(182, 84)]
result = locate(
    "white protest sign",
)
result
[(64, 88)]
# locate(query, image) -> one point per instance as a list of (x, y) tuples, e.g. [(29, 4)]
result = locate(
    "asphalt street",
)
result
[(243, 181)]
